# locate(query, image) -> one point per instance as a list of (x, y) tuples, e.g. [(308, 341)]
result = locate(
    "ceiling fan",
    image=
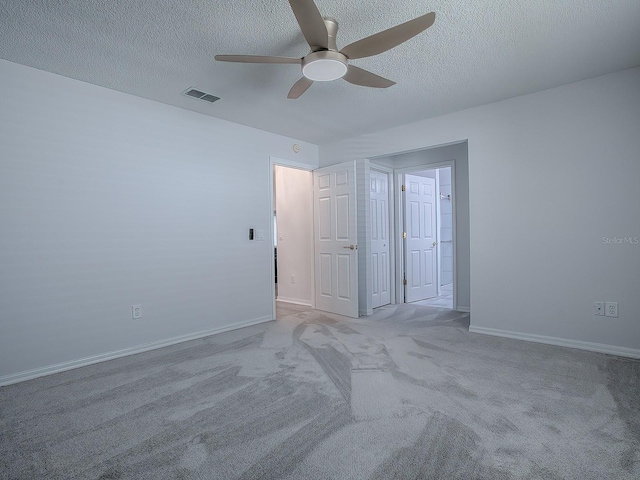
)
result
[(325, 62)]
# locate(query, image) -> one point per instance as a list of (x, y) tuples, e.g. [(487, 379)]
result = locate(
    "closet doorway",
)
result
[(293, 235)]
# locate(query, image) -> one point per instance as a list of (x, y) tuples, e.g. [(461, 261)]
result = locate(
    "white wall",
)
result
[(109, 200), (294, 207), (567, 170), (457, 152)]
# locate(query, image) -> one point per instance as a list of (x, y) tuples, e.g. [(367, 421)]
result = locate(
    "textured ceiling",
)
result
[(476, 52)]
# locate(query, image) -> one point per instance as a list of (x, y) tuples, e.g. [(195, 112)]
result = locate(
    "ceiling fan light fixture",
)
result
[(324, 66)]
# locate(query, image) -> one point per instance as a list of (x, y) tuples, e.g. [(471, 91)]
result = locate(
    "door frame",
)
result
[(273, 161), (399, 224)]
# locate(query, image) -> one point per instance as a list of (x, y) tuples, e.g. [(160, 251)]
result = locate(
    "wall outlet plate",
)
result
[(611, 309), (598, 308), (136, 311)]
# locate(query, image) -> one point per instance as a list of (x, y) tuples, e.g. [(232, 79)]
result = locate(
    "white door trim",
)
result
[(273, 161), (398, 223)]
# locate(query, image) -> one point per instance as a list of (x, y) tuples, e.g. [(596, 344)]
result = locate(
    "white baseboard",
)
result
[(561, 342), (295, 301), (82, 362), (462, 309)]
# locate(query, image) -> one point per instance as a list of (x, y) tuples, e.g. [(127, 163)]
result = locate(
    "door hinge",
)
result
[(404, 282), (403, 188), (404, 234)]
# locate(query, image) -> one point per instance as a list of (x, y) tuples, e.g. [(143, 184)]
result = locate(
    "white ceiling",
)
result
[(476, 52)]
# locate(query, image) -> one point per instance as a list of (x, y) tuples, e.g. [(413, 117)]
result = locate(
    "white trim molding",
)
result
[(295, 301), (560, 342), (103, 357), (462, 309)]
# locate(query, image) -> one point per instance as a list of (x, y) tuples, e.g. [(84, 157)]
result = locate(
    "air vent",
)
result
[(207, 97)]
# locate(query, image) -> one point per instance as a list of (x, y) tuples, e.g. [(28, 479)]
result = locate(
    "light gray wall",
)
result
[(426, 174), (430, 156), (567, 163), (294, 207), (109, 200)]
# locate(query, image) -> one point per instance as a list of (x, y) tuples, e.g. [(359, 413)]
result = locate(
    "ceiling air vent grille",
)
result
[(207, 97)]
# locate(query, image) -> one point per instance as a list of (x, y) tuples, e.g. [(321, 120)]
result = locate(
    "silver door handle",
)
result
[(350, 247), (435, 243)]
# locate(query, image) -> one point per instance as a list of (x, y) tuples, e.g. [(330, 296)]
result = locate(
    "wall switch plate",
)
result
[(611, 309), (598, 308), (136, 311)]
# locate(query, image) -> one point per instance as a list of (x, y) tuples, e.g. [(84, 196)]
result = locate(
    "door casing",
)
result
[(301, 166), (398, 224)]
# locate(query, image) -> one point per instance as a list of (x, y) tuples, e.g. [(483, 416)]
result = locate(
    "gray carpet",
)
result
[(408, 393)]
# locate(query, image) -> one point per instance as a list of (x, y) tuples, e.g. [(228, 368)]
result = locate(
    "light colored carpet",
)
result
[(408, 393)]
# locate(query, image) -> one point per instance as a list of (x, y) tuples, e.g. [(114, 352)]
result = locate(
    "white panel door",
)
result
[(420, 244), (380, 275), (336, 254)]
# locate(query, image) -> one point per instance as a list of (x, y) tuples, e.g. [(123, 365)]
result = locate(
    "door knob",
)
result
[(435, 243), (350, 247)]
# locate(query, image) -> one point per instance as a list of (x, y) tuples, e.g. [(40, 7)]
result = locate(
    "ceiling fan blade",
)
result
[(299, 88), (311, 23), (387, 39), (358, 76), (257, 59)]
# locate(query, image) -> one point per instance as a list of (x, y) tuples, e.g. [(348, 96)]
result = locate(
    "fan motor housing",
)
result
[(324, 66)]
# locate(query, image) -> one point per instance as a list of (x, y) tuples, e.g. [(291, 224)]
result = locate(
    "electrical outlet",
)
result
[(293, 279), (136, 311), (598, 308), (611, 309)]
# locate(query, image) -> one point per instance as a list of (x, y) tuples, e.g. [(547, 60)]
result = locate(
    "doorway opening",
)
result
[(428, 243), (292, 227), (454, 281), (314, 236)]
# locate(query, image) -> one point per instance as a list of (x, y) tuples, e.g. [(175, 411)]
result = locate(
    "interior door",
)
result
[(336, 250), (420, 244), (380, 275)]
